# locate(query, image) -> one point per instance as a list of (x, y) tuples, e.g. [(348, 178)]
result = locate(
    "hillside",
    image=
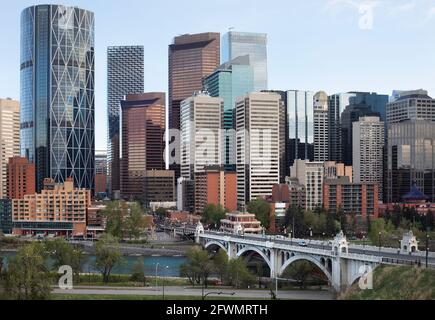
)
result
[(396, 283)]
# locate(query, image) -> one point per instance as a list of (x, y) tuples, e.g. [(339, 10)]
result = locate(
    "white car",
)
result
[(302, 243)]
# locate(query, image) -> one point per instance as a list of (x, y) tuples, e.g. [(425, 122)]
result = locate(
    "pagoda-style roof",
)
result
[(415, 195)]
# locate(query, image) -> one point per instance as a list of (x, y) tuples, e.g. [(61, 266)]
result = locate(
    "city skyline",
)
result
[(371, 66)]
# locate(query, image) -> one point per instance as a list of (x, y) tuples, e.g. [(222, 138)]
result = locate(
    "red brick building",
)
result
[(20, 178), (361, 199), (215, 186)]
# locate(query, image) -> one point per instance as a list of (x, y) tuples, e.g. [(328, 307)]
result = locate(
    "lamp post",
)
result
[(167, 267), (427, 248), (291, 237), (364, 244), (157, 264), (380, 233), (323, 241)]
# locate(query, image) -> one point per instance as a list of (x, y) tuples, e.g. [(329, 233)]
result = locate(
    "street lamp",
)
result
[(157, 264), (427, 248), (323, 241), (166, 268), (380, 233), (291, 237), (364, 244)]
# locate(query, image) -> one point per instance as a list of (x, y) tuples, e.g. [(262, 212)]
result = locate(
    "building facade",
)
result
[(411, 105), (336, 104), (9, 138), (185, 195), (191, 58), (258, 145), (125, 75), (159, 186), (143, 129), (57, 93), (231, 80), (59, 209), (368, 145), (215, 186), (361, 199), (411, 159), (236, 44), (20, 178), (241, 223), (321, 127), (201, 134), (6, 216), (101, 172), (300, 119), (310, 175)]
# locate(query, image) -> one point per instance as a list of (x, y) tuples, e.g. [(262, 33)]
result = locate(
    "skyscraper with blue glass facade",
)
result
[(231, 80), (57, 93), (236, 44)]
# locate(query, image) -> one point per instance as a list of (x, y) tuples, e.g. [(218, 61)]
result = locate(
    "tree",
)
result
[(138, 273), (220, 261), (27, 277), (238, 274), (294, 219), (299, 271), (108, 255), (161, 213), (198, 266), (213, 215), (114, 214), (261, 209), (135, 222), (331, 226), (63, 253)]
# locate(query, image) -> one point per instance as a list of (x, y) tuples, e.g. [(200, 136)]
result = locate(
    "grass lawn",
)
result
[(135, 297)]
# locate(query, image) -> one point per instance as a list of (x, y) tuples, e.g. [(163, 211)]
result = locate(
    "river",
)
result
[(167, 266)]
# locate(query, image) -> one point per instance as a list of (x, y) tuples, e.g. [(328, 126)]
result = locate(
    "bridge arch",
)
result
[(215, 243), (307, 258), (253, 249)]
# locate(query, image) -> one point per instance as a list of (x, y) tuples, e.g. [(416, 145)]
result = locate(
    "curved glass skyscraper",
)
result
[(57, 93)]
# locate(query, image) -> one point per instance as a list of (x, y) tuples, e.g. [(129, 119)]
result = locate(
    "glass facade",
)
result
[(236, 44), (125, 75), (411, 158), (230, 81), (300, 120), (57, 93)]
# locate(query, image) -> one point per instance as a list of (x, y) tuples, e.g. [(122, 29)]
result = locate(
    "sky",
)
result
[(331, 45)]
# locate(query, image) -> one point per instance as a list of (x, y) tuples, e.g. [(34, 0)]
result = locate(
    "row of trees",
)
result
[(32, 272), (200, 266), (125, 220)]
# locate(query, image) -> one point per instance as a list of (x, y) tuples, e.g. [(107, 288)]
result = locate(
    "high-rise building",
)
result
[(159, 186), (9, 138), (300, 119), (231, 80), (411, 159), (125, 75), (20, 178), (192, 57), (258, 145), (336, 105), (143, 128), (185, 195), (6, 216), (57, 93), (310, 175), (201, 134), (334, 170), (320, 127), (236, 44), (350, 115), (411, 105), (59, 209), (215, 186), (368, 144), (410, 150), (100, 171)]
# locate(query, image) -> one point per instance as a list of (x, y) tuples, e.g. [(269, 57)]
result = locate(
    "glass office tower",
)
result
[(231, 80), (300, 119), (57, 93), (125, 75), (236, 44)]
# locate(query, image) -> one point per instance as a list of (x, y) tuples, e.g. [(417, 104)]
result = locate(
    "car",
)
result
[(302, 243)]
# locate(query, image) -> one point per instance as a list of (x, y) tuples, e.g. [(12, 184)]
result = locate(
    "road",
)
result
[(190, 292)]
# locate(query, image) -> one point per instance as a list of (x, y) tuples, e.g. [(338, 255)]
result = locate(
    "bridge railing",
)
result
[(419, 263)]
